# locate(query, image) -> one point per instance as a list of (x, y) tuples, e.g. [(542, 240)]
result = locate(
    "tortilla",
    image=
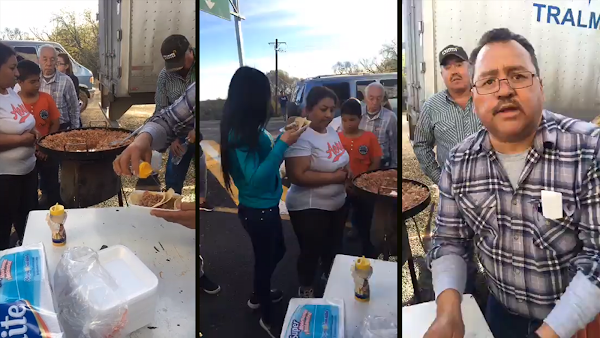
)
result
[(168, 199), (298, 123)]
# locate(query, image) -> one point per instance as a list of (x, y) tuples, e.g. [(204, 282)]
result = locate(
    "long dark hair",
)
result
[(245, 114), (67, 60)]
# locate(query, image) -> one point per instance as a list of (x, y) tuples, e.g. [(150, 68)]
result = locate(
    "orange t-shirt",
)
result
[(361, 150), (44, 111)]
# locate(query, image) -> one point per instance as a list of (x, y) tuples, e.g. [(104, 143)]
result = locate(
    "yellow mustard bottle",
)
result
[(361, 272), (56, 220)]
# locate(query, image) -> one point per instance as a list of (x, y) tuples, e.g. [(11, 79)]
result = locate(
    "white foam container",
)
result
[(137, 194), (137, 287)]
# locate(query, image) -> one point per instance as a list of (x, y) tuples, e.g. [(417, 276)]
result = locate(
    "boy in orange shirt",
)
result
[(365, 155), (43, 108)]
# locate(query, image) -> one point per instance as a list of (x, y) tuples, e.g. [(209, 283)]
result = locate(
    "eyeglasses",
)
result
[(518, 80)]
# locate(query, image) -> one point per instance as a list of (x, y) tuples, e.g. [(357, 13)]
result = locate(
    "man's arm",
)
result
[(160, 97), (579, 305), (73, 103), (424, 142), (448, 256), (174, 121), (393, 139)]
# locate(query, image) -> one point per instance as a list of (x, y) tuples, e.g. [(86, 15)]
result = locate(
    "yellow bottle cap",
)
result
[(145, 170), (362, 263), (57, 210)]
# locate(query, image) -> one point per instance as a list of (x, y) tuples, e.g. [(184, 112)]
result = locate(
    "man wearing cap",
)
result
[(446, 120)]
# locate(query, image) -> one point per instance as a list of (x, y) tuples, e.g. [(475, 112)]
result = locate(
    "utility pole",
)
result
[(276, 45)]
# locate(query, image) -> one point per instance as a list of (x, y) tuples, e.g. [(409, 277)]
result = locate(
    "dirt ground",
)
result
[(132, 119)]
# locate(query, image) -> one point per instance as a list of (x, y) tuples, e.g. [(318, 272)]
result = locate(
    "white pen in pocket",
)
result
[(552, 207)]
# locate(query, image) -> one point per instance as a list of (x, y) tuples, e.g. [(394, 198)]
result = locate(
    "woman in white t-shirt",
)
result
[(317, 167), (18, 179)]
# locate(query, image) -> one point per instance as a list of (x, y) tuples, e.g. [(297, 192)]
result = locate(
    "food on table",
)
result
[(412, 195), (82, 140), (383, 182), (299, 122), (167, 200)]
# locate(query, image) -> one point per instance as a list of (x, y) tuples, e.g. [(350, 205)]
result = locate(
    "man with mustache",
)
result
[(446, 120), (541, 260)]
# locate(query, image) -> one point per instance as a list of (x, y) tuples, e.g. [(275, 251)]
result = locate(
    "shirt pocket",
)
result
[(557, 236), (481, 211)]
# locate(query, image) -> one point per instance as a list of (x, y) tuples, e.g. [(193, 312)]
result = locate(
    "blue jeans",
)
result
[(504, 324), (175, 174), (266, 234)]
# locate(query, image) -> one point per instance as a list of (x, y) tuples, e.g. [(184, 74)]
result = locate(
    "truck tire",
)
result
[(83, 100)]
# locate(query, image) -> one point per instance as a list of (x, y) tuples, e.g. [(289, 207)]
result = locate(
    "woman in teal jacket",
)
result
[(251, 158)]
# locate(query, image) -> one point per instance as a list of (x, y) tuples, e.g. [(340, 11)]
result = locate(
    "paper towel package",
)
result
[(312, 318), (26, 303)]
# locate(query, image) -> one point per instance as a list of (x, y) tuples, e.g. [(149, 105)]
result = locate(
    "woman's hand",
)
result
[(128, 163), (291, 136), (28, 138), (186, 216)]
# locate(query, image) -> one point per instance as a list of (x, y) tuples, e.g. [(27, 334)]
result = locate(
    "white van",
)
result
[(345, 87)]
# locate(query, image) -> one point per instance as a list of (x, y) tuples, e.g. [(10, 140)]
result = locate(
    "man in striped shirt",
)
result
[(541, 257), (382, 122), (447, 117), (61, 88)]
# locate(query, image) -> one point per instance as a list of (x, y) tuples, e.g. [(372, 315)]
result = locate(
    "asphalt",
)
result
[(228, 257)]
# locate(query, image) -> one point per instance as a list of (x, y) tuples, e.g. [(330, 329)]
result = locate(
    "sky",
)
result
[(318, 34), (39, 12)]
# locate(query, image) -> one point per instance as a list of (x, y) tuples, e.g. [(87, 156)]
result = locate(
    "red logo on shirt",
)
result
[(20, 111), (337, 150)]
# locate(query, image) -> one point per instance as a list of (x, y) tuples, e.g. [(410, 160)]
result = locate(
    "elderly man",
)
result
[(525, 190), (382, 122), (60, 87), (447, 117)]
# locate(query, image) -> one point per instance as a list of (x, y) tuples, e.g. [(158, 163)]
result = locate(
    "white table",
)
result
[(416, 319), (384, 291), (174, 266)]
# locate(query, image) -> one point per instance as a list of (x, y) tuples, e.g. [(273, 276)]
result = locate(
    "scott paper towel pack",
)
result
[(26, 304)]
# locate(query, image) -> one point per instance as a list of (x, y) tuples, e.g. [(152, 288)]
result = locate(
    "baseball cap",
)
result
[(452, 50), (173, 51)]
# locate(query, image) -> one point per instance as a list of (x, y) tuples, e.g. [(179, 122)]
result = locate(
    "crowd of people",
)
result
[(499, 155), (34, 101)]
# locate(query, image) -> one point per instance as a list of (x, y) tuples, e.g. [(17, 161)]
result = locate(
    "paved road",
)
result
[(228, 256), (210, 129)]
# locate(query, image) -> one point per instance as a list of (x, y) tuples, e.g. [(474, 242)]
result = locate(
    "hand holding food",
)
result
[(129, 160), (291, 136), (167, 200), (297, 123), (186, 216)]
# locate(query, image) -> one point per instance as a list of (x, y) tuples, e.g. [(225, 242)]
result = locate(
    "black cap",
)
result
[(173, 51), (453, 50)]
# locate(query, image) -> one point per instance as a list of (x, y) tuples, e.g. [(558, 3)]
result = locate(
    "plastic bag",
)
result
[(377, 327), (26, 305), (314, 317), (89, 306)]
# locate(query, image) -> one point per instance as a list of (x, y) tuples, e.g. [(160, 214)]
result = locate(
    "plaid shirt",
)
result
[(64, 94), (528, 260), (444, 124), (174, 121), (385, 126)]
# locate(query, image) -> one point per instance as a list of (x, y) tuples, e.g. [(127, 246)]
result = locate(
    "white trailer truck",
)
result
[(131, 33), (564, 33)]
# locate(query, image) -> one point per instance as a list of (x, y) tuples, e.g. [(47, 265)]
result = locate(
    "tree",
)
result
[(78, 34), (346, 68), (286, 83), (14, 34)]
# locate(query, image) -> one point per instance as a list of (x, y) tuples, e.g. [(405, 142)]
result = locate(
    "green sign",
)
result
[(218, 8)]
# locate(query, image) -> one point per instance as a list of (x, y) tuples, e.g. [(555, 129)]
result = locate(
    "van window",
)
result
[(360, 88), (341, 89), (391, 88), (299, 92), (28, 53)]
